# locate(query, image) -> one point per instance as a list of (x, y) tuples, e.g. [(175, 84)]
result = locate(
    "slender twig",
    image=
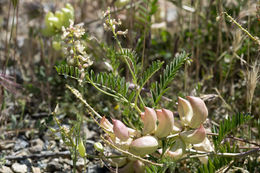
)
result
[(254, 38), (243, 140), (79, 96), (235, 138), (130, 5), (240, 155)]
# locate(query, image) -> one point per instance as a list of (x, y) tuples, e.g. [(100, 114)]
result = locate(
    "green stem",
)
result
[(99, 89), (256, 39), (79, 96), (121, 50)]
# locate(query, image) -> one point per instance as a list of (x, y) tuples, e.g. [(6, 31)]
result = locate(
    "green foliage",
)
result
[(15, 2), (168, 75), (145, 11), (219, 162), (149, 72), (67, 70), (113, 84), (132, 56), (229, 125), (109, 81)]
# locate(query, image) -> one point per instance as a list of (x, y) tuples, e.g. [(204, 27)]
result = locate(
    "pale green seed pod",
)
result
[(194, 136), (47, 16), (56, 45), (68, 15), (99, 147), (81, 149), (166, 122), (200, 111), (61, 18), (144, 145), (54, 21), (149, 119), (70, 7)]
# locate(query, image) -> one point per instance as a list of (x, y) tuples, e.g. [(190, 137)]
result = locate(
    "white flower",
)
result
[(80, 47)]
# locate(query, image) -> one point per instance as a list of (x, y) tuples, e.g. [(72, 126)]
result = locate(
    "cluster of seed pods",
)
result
[(159, 124)]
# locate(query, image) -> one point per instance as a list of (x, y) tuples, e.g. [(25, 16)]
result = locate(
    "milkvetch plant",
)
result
[(147, 133)]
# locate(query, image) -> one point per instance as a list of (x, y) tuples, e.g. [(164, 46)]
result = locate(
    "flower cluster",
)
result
[(160, 124), (74, 47), (111, 24)]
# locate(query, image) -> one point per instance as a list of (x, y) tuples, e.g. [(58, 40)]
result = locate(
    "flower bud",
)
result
[(200, 111), (144, 145), (185, 111), (99, 147), (81, 149), (166, 122), (120, 130), (104, 123), (194, 136), (149, 119), (177, 150), (204, 146)]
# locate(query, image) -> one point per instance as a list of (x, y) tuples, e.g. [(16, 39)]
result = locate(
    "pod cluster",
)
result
[(55, 21), (159, 124)]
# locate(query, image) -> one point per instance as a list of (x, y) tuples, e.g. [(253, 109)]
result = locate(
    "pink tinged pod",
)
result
[(144, 145), (185, 111), (194, 136), (200, 111), (177, 151), (104, 123), (139, 167), (204, 146), (120, 130), (149, 119), (166, 122)]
